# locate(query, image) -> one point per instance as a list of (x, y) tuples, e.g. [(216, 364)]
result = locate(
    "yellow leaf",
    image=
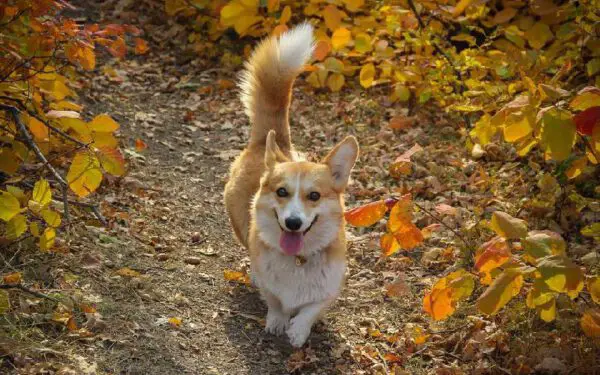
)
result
[(539, 244), (502, 290), (576, 167), (112, 160), (34, 228), (9, 206), (16, 227), (84, 175), (175, 321), (538, 35), (334, 65), (42, 194), (335, 82), (460, 7), (332, 16), (590, 323), (363, 43), (47, 239), (340, 38), (561, 275), (594, 288), (103, 124), (586, 98), (173, 7), (52, 218), (507, 226), (484, 130), (127, 272), (367, 75), (504, 15), (548, 310), (518, 127), (353, 5)]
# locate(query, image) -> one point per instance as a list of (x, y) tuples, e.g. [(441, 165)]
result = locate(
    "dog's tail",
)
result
[(267, 83)]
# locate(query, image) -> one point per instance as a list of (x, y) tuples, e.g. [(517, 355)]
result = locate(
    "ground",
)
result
[(155, 276)]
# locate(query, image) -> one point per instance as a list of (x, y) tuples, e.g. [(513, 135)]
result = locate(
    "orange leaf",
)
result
[(237, 276), (401, 122), (140, 145), (401, 165), (441, 302), (127, 272), (322, 49), (141, 46), (389, 244), (37, 128), (279, 29), (13, 278), (71, 325), (118, 48), (492, 254), (590, 323), (366, 215), (401, 214), (409, 236)]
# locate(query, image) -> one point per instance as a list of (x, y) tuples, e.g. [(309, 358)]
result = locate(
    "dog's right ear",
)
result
[(273, 154)]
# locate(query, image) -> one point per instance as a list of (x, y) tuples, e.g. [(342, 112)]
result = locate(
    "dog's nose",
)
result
[(293, 223)]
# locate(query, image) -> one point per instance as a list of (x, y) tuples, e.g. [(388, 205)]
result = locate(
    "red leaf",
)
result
[(586, 120)]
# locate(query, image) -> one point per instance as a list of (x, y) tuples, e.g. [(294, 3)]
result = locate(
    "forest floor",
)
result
[(156, 276)]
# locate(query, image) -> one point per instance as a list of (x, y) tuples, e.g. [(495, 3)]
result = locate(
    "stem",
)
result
[(27, 290), (441, 222)]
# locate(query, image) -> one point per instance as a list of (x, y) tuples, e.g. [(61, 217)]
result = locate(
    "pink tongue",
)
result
[(291, 242)]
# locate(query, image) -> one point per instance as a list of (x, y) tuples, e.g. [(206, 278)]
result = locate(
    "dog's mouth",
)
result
[(293, 242)]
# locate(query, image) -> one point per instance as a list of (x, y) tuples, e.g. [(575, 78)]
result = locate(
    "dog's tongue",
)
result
[(291, 242)]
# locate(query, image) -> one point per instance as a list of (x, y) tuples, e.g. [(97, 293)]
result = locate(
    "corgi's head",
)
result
[(299, 208)]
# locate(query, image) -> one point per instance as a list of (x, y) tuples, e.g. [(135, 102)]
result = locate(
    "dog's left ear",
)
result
[(273, 154), (340, 161)]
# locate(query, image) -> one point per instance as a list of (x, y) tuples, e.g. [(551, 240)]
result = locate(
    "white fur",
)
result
[(296, 46), (304, 291)]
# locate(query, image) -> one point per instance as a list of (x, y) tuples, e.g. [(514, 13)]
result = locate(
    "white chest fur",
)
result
[(317, 280)]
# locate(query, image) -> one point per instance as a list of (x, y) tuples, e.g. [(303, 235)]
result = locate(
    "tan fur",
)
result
[(295, 297)]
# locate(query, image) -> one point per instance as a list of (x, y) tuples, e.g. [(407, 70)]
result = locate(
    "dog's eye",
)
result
[(314, 196), (281, 192)]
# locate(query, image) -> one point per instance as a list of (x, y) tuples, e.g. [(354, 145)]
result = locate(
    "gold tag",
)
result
[(300, 260)]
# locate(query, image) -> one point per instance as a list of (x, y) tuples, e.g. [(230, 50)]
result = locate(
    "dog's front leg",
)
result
[(277, 320), (301, 324)]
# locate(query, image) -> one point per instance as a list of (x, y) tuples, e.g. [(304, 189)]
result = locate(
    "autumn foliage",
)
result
[(50, 155)]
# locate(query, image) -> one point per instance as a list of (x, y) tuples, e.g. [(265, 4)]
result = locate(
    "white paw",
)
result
[(298, 332), (276, 322)]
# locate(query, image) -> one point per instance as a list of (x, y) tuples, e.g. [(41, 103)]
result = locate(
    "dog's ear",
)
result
[(340, 161), (273, 154)]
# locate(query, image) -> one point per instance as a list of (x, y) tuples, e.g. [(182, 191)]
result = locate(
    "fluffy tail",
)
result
[(267, 83)]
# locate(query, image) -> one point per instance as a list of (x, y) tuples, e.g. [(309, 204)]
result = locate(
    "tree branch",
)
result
[(27, 290)]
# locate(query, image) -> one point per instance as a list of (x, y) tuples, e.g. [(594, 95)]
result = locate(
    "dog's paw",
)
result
[(277, 323), (298, 332)]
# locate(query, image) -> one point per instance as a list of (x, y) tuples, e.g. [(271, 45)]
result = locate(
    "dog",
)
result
[(288, 213)]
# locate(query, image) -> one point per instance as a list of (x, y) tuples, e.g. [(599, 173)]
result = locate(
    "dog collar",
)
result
[(300, 260)]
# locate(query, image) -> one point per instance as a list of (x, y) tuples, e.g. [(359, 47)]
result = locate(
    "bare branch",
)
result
[(27, 290)]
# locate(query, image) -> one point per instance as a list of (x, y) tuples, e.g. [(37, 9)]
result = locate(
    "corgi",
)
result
[(287, 212)]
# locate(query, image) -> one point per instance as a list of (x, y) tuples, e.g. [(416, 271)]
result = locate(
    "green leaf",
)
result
[(561, 275), (558, 133), (9, 206), (592, 230), (502, 290)]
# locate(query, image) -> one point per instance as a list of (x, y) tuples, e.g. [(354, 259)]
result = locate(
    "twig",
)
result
[(441, 222), (27, 290), (29, 140), (31, 143), (436, 46)]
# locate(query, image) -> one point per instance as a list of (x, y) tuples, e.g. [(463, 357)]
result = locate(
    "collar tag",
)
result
[(300, 260)]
